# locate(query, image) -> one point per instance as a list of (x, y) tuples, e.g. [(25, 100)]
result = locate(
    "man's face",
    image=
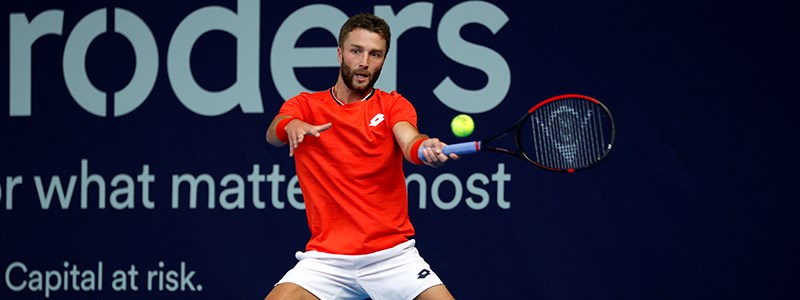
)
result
[(361, 57)]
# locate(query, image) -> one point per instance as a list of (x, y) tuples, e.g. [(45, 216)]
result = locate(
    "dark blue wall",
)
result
[(697, 201)]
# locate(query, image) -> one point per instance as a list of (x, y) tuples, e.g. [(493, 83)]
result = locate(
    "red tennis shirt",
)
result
[(352, 174)]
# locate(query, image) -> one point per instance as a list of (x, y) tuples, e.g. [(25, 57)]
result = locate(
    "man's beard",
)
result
[(349, 79)]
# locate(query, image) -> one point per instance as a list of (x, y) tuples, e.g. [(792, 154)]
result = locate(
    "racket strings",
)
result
[(568, 134)]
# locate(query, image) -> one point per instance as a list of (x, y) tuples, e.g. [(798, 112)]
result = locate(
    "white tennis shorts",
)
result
[(395, 273)]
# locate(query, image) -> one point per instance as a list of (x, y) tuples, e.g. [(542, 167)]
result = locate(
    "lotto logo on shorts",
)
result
[(424, 273)]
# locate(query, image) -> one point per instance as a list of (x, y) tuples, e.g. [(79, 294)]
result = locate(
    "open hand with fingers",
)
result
[(296, 130)]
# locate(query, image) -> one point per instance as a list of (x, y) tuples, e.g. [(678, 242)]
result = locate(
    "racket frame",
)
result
[(485, 144)]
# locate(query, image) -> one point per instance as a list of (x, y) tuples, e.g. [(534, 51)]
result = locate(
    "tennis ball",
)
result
[(462, 125)]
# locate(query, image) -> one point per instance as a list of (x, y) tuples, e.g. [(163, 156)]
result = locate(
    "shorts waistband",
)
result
[(360, 258)]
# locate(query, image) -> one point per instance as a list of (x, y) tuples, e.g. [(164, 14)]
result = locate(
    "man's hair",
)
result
[(366, 21)]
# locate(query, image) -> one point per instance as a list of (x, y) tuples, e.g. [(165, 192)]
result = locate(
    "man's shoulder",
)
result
[(389, 97), (310, 97), (392, 94)]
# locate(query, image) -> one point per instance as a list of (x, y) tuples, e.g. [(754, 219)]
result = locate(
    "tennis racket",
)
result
[(563, 133)]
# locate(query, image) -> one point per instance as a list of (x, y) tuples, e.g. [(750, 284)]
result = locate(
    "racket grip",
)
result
[(460, 149)]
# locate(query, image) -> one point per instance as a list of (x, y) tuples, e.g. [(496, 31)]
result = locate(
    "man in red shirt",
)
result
[(349, 143)]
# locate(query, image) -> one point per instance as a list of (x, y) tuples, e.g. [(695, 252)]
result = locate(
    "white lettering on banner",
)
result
[(22, 35), (244, 25), (11, 183), (122, 197), (235, 191), (476, 56), (49, 281), (284, 56), (19, 278), (74, 64), (275, 178), (171, 280), (500, 178), (292, 191), (415, 15)]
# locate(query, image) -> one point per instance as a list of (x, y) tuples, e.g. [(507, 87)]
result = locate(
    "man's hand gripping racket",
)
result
[(563, 133)]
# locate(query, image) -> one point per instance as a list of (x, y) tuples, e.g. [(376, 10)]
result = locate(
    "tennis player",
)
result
[(348, 143)]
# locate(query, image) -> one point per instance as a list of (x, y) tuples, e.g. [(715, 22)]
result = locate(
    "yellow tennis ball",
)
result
[(462, 125)]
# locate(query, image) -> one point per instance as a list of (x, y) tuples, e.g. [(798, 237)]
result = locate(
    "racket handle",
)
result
[(460, 149)]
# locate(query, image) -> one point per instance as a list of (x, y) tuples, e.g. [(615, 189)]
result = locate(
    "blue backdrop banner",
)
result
[(134, 163)]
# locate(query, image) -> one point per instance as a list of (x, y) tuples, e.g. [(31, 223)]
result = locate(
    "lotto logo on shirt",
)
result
[(377, 119)]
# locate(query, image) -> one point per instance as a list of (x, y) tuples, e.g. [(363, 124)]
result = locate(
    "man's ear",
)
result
[(339, 54)]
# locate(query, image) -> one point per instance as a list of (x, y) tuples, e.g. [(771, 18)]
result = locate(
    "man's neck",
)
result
[(345, 95)]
